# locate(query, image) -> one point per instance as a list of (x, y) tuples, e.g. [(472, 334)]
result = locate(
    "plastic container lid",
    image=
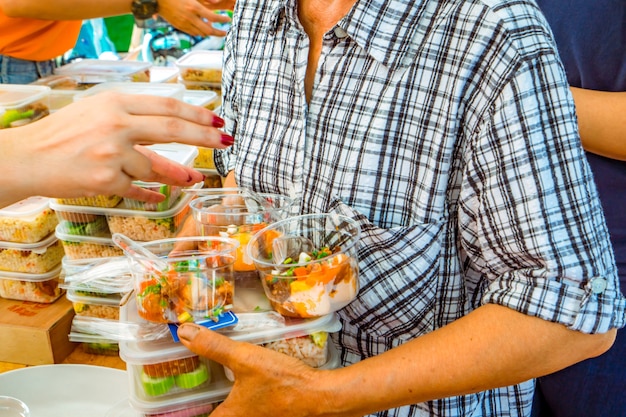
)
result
[(76, 82), (82, 238), (200, 59), (37, 247), (16, 96), (119, 210), (27, 209), (199, 97), (97, 66), (154, 89), (155, 351), (20, 276)]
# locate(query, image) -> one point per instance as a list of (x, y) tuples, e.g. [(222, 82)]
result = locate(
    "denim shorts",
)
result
[(20, 71)]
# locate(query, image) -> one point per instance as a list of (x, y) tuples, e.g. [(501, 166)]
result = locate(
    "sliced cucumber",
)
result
[(194, 378), (156, 386)]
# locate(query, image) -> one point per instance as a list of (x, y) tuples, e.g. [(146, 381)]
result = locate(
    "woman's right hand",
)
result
[(96, 147)]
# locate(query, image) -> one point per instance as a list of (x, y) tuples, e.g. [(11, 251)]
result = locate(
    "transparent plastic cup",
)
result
[(308, 264), (192, 280), (237, 214)]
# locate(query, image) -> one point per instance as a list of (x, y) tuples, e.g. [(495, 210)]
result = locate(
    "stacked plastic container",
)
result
[(30, 253), (22, 104), (85, 227), (166, 379)]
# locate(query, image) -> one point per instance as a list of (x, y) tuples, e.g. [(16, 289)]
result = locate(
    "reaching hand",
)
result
[(94, 147)]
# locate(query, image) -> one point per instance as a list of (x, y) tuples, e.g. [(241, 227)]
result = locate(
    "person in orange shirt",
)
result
[(34, 32)]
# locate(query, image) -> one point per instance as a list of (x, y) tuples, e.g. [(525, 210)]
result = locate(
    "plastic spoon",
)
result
[(140, 254)]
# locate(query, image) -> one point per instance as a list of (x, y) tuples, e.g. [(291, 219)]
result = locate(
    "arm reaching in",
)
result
[(601, 121), (96, 146), (190, 16), (500, 347)]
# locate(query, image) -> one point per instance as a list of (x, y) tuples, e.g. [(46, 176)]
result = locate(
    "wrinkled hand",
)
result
[(267, 383), (193, 17), (95, 146)]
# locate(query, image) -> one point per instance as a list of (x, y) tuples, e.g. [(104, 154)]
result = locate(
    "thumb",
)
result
[(207, 343)]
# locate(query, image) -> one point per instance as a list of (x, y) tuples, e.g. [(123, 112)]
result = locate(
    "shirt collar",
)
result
[(384, 29)]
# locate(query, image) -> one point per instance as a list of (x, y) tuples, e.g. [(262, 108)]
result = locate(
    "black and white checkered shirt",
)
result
[(448, 130)]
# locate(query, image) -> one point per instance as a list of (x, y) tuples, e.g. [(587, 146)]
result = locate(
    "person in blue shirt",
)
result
[(591, 40)]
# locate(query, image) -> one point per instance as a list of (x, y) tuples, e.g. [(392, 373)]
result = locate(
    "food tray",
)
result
[(87, 247), (182, 154), (32, 258), (22, 104), (97, 307), (27, 221), (201, 66), (136, 71), (39, 288), (206, 99)]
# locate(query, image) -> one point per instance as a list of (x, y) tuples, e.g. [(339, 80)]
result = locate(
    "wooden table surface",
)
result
[(77, 356)]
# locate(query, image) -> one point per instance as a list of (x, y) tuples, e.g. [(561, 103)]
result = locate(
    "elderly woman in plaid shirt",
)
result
[(446, 128)]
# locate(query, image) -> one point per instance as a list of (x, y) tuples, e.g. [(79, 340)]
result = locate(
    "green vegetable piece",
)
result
[(13, 115)]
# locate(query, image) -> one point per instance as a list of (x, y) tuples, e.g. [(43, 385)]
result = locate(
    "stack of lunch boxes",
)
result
[(85, 227), (30, 253)]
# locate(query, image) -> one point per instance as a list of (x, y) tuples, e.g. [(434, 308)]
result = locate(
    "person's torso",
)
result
[(36, 40)]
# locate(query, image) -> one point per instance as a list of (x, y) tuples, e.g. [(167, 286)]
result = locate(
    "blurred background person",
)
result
[(33, 33)]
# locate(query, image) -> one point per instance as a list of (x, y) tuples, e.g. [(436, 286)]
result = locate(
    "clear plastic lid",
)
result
[(28, 208), (137, 352), (76, 82), (200, 59), (97, 66), (199, 97), (15, 96), (19, 276), (119, 210), (154, 89), (37, 247)]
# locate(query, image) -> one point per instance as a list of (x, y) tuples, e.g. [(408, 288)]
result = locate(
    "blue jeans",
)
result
[(20, 71), (592, 388)]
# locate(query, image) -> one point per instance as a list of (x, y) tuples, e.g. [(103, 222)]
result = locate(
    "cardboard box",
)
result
[(35, 333)]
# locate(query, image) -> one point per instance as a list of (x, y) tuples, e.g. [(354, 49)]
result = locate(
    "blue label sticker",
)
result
[(223, 320)]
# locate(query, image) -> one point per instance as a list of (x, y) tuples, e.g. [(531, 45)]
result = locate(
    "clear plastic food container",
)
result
[(207, 99), (27, 221), (187, 279), (87, 247), (90, 306), (201, 66), (181, 406), (182, 154), (153, 89), (136, 71), (212, 178), (22, 104), (65, 87), (108, 277), (32, 258), (201, 86), (308, 264), (106, 201), (39, 288), (83, 224), (149, 225)]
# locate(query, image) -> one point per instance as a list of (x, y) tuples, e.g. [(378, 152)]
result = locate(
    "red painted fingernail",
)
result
[(227, 139), (218, 121)]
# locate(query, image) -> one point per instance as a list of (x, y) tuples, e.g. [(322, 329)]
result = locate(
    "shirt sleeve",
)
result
[(530, 217)]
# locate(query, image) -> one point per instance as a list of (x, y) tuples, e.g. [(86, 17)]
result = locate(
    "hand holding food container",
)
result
[(181, 279), (308, 264)]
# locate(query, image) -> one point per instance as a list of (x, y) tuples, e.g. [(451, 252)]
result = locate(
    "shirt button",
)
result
[(598, 285), (340, 33)]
